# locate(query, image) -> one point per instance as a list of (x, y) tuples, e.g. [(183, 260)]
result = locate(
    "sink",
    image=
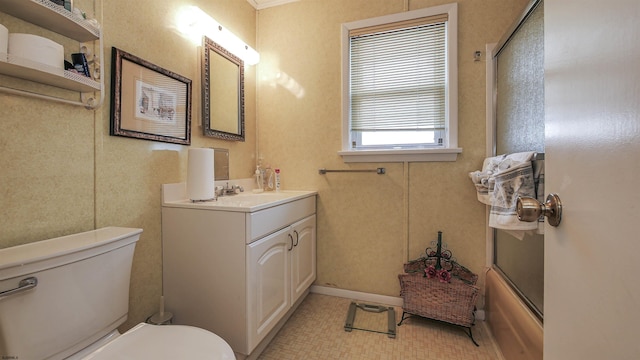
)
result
[(245, 201)]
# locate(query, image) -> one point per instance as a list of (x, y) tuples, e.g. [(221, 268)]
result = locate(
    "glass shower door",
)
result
[(519, 109)]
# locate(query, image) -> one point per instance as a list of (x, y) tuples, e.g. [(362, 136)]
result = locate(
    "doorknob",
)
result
[(529, 209)]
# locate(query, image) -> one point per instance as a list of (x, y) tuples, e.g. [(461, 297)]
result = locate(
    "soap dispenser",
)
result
[(259, 180)]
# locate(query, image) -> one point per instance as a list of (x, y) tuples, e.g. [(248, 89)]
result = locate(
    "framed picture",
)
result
[(149, 102)]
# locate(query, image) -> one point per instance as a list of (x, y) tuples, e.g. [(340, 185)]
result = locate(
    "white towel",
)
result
[(538, 176), (501, 181), (514, 181), (484, 180)]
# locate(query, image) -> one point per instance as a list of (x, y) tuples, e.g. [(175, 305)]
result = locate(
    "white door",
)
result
[(592, 110)]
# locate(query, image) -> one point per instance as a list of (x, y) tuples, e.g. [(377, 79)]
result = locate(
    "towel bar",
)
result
[(379, 171)]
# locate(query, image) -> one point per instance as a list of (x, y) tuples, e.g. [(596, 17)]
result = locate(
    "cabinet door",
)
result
[(303, 256), (268, 285)]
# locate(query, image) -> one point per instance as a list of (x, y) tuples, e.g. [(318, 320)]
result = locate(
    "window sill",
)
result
[(400, 155)]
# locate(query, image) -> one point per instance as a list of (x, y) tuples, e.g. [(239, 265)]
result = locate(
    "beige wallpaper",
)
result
[(368, 224), (62, 173)]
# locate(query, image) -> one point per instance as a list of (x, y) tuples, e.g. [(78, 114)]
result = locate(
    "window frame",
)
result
[(449, 151)]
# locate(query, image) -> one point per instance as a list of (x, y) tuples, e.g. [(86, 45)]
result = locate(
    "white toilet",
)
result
[(64, 298)]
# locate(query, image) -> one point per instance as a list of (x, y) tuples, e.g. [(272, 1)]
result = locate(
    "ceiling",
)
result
[(263, 4)]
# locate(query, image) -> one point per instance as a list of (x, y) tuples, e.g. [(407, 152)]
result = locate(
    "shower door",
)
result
[(519, 127)]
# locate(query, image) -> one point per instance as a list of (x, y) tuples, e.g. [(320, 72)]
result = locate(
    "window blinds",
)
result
[(398, 76)]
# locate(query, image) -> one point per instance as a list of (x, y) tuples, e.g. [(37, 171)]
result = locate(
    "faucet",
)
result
[(228, 190)]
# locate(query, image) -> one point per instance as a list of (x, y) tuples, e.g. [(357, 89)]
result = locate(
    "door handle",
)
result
[(290, 238), (24, 285), (529, 209)]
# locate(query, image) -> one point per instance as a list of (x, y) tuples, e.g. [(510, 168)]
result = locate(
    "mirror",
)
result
[(222, 93), (220, 164)]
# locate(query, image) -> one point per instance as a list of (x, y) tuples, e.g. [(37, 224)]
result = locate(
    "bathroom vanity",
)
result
[(238, 266)]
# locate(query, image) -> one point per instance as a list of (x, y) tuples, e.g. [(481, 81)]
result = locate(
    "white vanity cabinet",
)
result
[(303, 257), (281, 267), (236, 268)]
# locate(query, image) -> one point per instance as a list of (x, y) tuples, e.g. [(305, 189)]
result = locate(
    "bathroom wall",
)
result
[(369, 224), (63, 173)]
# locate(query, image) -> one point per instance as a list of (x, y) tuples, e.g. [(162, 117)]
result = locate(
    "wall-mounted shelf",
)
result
[(56, 18), (48, 15), (33, 71)]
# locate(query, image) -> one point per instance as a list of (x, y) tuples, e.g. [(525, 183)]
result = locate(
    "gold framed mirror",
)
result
[(222, 92)]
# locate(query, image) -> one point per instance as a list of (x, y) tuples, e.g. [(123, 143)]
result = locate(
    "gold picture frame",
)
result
[(149, 102)]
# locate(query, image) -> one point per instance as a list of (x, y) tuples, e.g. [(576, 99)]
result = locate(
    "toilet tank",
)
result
[(82, 292)]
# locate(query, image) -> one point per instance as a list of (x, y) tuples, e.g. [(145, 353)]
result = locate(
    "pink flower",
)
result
[(444, 276), (431, 271)]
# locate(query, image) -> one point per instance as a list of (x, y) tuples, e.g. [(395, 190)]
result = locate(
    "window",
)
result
[(400, 87)]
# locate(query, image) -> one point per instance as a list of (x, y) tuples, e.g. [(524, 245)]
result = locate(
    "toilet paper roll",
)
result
[(4, 39), (200, 176)]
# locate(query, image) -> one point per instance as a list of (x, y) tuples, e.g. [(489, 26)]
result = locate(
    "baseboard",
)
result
[(357, 295), (368, 297)]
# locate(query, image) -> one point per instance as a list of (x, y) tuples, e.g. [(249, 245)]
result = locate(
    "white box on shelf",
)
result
[(36, 49)]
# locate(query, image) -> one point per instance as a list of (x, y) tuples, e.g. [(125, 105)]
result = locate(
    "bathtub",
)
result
[(517, 331)]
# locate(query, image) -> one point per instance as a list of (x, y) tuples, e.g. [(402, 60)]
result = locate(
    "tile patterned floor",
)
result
[(316, 331)]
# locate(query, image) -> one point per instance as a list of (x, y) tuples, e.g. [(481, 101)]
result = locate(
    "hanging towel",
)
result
[(501, 181), (484, 180), (514, 181), (538, 178)]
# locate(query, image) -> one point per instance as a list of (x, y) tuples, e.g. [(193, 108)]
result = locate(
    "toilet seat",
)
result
[(145, 341)]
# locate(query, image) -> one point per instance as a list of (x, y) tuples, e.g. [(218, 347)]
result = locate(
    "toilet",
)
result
[(64, 298)]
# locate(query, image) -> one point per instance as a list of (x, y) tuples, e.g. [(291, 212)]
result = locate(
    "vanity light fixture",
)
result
[(195, 23)]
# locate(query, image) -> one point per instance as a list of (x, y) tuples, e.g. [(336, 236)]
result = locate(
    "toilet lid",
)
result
[(157, 342)]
